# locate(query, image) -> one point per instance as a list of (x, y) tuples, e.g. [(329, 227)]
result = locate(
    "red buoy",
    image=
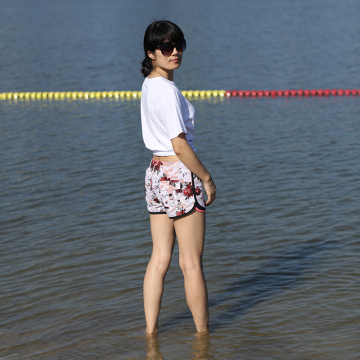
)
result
[(287, 93)]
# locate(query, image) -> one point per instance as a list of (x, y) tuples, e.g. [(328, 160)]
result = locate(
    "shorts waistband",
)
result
[(165, 163)]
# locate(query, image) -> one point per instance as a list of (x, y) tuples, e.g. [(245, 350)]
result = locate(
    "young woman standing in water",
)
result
[(176, 179)]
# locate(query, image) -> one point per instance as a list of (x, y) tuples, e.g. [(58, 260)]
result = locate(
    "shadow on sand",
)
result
[(284, 271)]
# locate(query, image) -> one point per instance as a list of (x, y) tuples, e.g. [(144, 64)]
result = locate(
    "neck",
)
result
[(156, 72)]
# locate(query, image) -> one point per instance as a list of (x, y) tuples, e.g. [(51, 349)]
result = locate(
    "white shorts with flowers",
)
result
[(172, 189)]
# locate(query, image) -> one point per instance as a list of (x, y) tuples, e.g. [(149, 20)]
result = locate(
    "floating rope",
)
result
[(57, 95), (61, 95), (287, 93)]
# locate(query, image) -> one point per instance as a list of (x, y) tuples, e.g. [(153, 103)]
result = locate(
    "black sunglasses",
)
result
[(168, 47)]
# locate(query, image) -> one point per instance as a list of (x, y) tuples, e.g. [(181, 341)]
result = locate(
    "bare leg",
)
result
[(163, 237), (190, 232)]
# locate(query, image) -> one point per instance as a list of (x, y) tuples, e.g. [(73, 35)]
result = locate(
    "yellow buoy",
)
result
[(101, 94)]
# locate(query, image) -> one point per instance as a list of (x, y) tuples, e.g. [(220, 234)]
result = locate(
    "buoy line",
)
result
[(288, 93), (61, 95)]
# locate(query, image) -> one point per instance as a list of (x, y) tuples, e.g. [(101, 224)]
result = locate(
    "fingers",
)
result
[(209, 202), (210, 192)]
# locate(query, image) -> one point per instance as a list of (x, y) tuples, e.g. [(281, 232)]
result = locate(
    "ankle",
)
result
[(152, 331), (202, 329)]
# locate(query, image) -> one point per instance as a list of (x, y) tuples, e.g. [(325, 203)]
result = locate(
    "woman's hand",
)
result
[(210, 190), (188, 157)]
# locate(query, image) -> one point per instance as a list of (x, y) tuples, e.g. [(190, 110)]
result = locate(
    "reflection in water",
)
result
[(153, 347), (201, 346)]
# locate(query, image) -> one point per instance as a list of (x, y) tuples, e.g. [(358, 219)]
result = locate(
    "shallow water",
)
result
[(283, 235)]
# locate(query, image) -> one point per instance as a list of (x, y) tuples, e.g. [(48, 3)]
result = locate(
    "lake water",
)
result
[(281, 256)]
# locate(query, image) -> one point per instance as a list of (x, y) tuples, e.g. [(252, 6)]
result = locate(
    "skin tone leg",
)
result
[(190, 232), (163, 238)]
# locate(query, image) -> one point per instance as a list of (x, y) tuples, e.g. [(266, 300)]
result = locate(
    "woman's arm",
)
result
[(188, 157)]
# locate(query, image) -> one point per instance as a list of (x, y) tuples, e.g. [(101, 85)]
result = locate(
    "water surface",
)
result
[(283, 235)]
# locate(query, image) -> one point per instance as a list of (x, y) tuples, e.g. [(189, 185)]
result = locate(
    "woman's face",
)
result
[(166, 62)]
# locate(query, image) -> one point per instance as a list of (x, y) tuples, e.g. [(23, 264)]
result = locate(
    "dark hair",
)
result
[(155, 35)]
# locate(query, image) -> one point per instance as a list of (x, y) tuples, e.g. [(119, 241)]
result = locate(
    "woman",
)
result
[(176, 178)]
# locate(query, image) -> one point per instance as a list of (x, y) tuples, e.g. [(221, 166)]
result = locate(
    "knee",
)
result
[(161, 263), (190, 266)]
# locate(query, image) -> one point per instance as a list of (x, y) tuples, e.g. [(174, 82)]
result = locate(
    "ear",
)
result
[(151, 55)]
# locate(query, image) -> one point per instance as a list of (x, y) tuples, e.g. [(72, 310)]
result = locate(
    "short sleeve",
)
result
[(174, 113)]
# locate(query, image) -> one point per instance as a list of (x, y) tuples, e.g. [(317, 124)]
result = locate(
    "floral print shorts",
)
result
[(172, 189)]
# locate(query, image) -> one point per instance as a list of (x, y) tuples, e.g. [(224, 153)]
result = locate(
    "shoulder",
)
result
[(161, 86)]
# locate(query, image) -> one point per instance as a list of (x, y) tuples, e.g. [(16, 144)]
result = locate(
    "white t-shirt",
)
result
[(165, 113)]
